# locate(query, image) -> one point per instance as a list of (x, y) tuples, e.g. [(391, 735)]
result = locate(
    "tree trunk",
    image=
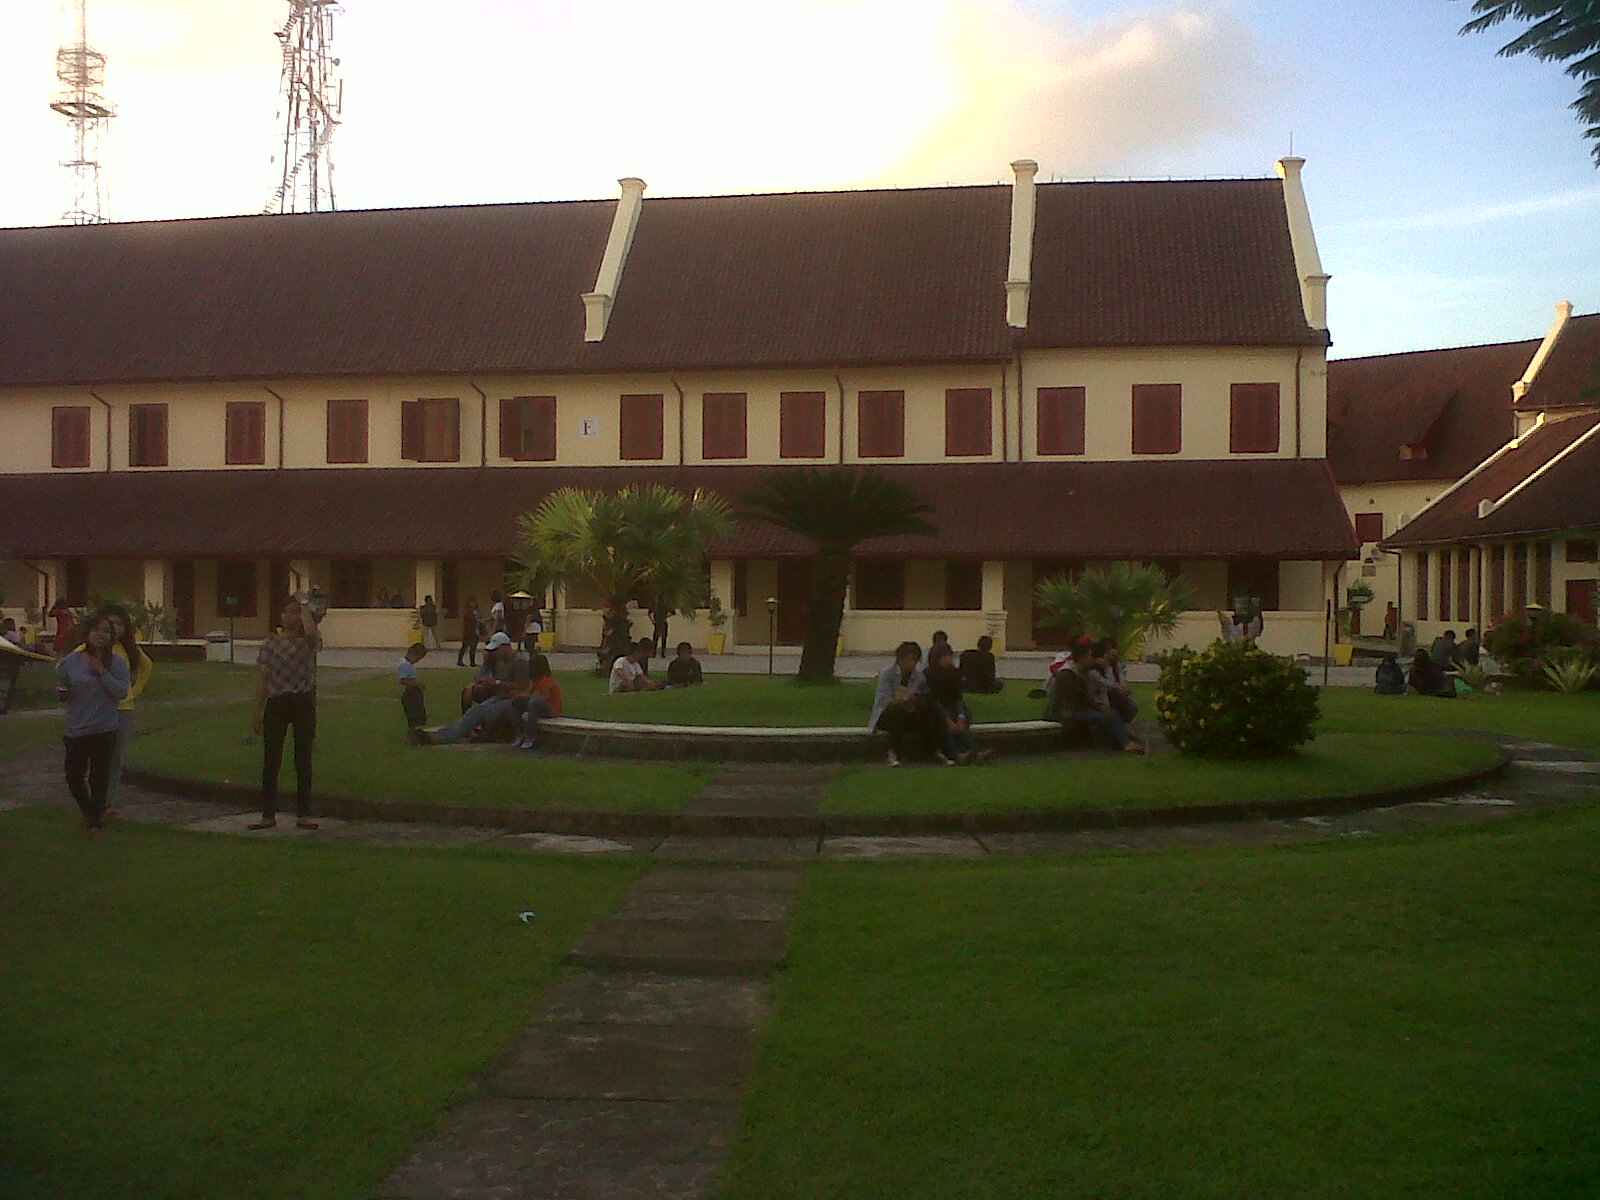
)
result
[(616, 639), (830, 576)]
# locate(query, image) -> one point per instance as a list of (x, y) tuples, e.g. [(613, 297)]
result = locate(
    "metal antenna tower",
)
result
[(313, 98), (82, 73)]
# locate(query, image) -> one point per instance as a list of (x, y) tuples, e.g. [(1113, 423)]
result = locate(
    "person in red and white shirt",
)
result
[(286, 697)]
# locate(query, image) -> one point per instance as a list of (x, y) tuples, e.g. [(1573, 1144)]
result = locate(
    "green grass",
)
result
[(1540, 716), (1337, 764), (191, 1015), (361, 751), (172, 681), (1411, 1017)]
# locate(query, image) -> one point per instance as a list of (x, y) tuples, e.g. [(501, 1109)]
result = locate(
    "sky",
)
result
[(1451, 190)]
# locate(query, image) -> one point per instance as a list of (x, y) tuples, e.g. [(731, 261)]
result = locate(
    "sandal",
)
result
[(305, 824), (266, 823)]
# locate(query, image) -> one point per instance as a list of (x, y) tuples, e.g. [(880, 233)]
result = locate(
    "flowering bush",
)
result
[(1522, 645), (1233, 700)]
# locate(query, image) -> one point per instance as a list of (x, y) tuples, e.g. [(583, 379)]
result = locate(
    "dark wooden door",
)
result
[(794, 600), (183, 597), (1581, 600), (1044, 636)]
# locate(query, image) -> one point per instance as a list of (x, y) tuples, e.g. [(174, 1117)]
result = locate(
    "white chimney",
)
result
[(1019, 273), (1519, 389), (598, 303), (1307, 262)]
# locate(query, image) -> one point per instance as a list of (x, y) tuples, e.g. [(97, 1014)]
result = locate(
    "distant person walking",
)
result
[(428, 614), (286, 698), (497, 613), (470, 623), (92, 681)]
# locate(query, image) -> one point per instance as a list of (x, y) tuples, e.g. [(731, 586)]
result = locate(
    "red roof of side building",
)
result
[(1455, 404), (814, 279), (1548, 481), (1570, 377), (1283, 508)]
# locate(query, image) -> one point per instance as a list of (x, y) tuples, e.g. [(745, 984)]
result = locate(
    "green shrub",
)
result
[(1522, 645), (1569, 671), (1233, 700)]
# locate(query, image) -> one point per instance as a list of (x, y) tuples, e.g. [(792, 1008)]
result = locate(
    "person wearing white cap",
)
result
[(490, 695)]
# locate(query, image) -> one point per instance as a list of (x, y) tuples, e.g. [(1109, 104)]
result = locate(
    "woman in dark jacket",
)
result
[(1427, 678)]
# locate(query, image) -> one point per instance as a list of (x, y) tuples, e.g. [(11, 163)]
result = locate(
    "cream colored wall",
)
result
[(761, 581), (1207, 375), (925, 583), (1397, 502)]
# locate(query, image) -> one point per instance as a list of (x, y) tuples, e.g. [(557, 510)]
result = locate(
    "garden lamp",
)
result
[(772, 629)]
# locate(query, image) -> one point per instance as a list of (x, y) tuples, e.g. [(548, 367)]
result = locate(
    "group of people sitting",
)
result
[(1434, 671), (512, 692), (1087, 694), (630, 672)]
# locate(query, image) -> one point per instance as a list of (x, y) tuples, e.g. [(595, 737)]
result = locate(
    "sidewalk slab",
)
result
[(570, 843), (705, 906), (756, 799), (173, 810), (686, 878), (569, 1150), (683, 947), (237, 822), (559, 1061), (408, 833), (737, 849), (901, 847), (626, 998)]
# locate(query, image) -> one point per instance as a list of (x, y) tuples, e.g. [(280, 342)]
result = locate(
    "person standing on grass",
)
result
[(497, 613), (125, 645), (469, 634), (413, 701), (286, 698), (92, 681)]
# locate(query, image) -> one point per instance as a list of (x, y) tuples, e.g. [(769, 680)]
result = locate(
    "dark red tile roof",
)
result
[(1567, 496), (1285, 508), (1570, 377), (1456, 403), (831, 278)]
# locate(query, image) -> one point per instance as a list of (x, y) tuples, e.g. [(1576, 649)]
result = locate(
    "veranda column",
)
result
[(994, 603), (722, 589), (1558, 575), (1508, 575), (157, 586)]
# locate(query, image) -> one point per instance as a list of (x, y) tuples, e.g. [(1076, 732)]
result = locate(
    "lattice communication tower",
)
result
[(82, 74), (313, 97)]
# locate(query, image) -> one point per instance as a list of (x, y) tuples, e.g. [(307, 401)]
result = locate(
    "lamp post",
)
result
[(772, 629)]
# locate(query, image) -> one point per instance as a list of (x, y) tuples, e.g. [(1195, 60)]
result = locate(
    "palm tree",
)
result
[(1126, 602), (836, 509), (621, 544), (1561, 30)]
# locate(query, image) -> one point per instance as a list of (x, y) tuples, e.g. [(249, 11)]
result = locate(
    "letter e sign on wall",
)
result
[(589, 427)]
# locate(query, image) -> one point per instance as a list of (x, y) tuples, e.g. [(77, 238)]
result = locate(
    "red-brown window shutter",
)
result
[(452, 417), (246, 438), (963, 585), (69, 437), (1253, 418), (881, 424), (640, 436), (528, 428), (723, 432), (147, 435), (411, 429), (1369, 527), (968, 422), (347, 431), (1157, 418), (513, 410), (1061, 420), (802, 424)]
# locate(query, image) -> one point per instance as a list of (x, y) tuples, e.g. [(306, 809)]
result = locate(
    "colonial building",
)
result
[(365, 401), (1521, 526)]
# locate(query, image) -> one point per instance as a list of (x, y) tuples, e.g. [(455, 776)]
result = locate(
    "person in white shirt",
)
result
[(497, 613), (628, 676)]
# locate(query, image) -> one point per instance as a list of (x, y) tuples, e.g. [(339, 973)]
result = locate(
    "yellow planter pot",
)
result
[(716, 643), (547, 641), (1342, 654)]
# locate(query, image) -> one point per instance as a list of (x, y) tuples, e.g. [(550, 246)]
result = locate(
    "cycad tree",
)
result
[(836, 509), (1560, 30), (1126, 602), (619, 543)]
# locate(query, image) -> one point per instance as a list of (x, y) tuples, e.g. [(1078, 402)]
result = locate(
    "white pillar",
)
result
[(994, 603), (427, 579)]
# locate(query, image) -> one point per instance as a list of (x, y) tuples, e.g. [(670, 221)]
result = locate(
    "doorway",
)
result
[(794, 600), (1581, 600), (183, 597)]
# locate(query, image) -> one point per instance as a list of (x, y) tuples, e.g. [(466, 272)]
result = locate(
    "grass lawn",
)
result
[(191, 1015), (172, 681), (361, 751), (1410, 1017), (1540, 716)]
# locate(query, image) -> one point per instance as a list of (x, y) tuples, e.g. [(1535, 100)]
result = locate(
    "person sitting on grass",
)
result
[(413, 702), (978, 668), (487, 718), (1096, 669), (628, 674), (1443, 651), (898, 706), (543, 700), (1117, 691), (684, 670), (1389, 679), (951, 716), (1070, 700), (1427, 678)]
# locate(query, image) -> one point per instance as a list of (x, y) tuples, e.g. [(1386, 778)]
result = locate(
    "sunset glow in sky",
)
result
[(1452, 191)]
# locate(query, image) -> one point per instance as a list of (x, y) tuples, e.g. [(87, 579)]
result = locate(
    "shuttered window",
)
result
[(1369, 527), (722, 425), (963, 586), (1253, 419), (528, 428), (1060, 420), (1157, 418), (1579, 550), (246, 434), (147, 435), (881, 424), (880, 583), (640, 433), (430, 430), (802, 424), (347, 431), (968, 422), (69, 437), (236, 589)]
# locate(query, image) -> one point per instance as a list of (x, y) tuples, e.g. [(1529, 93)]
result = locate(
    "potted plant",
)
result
[(716, 617), (547, 638), (1358, 594)]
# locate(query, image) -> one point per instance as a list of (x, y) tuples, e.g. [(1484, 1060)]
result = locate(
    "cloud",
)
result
[(1468, 215)]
